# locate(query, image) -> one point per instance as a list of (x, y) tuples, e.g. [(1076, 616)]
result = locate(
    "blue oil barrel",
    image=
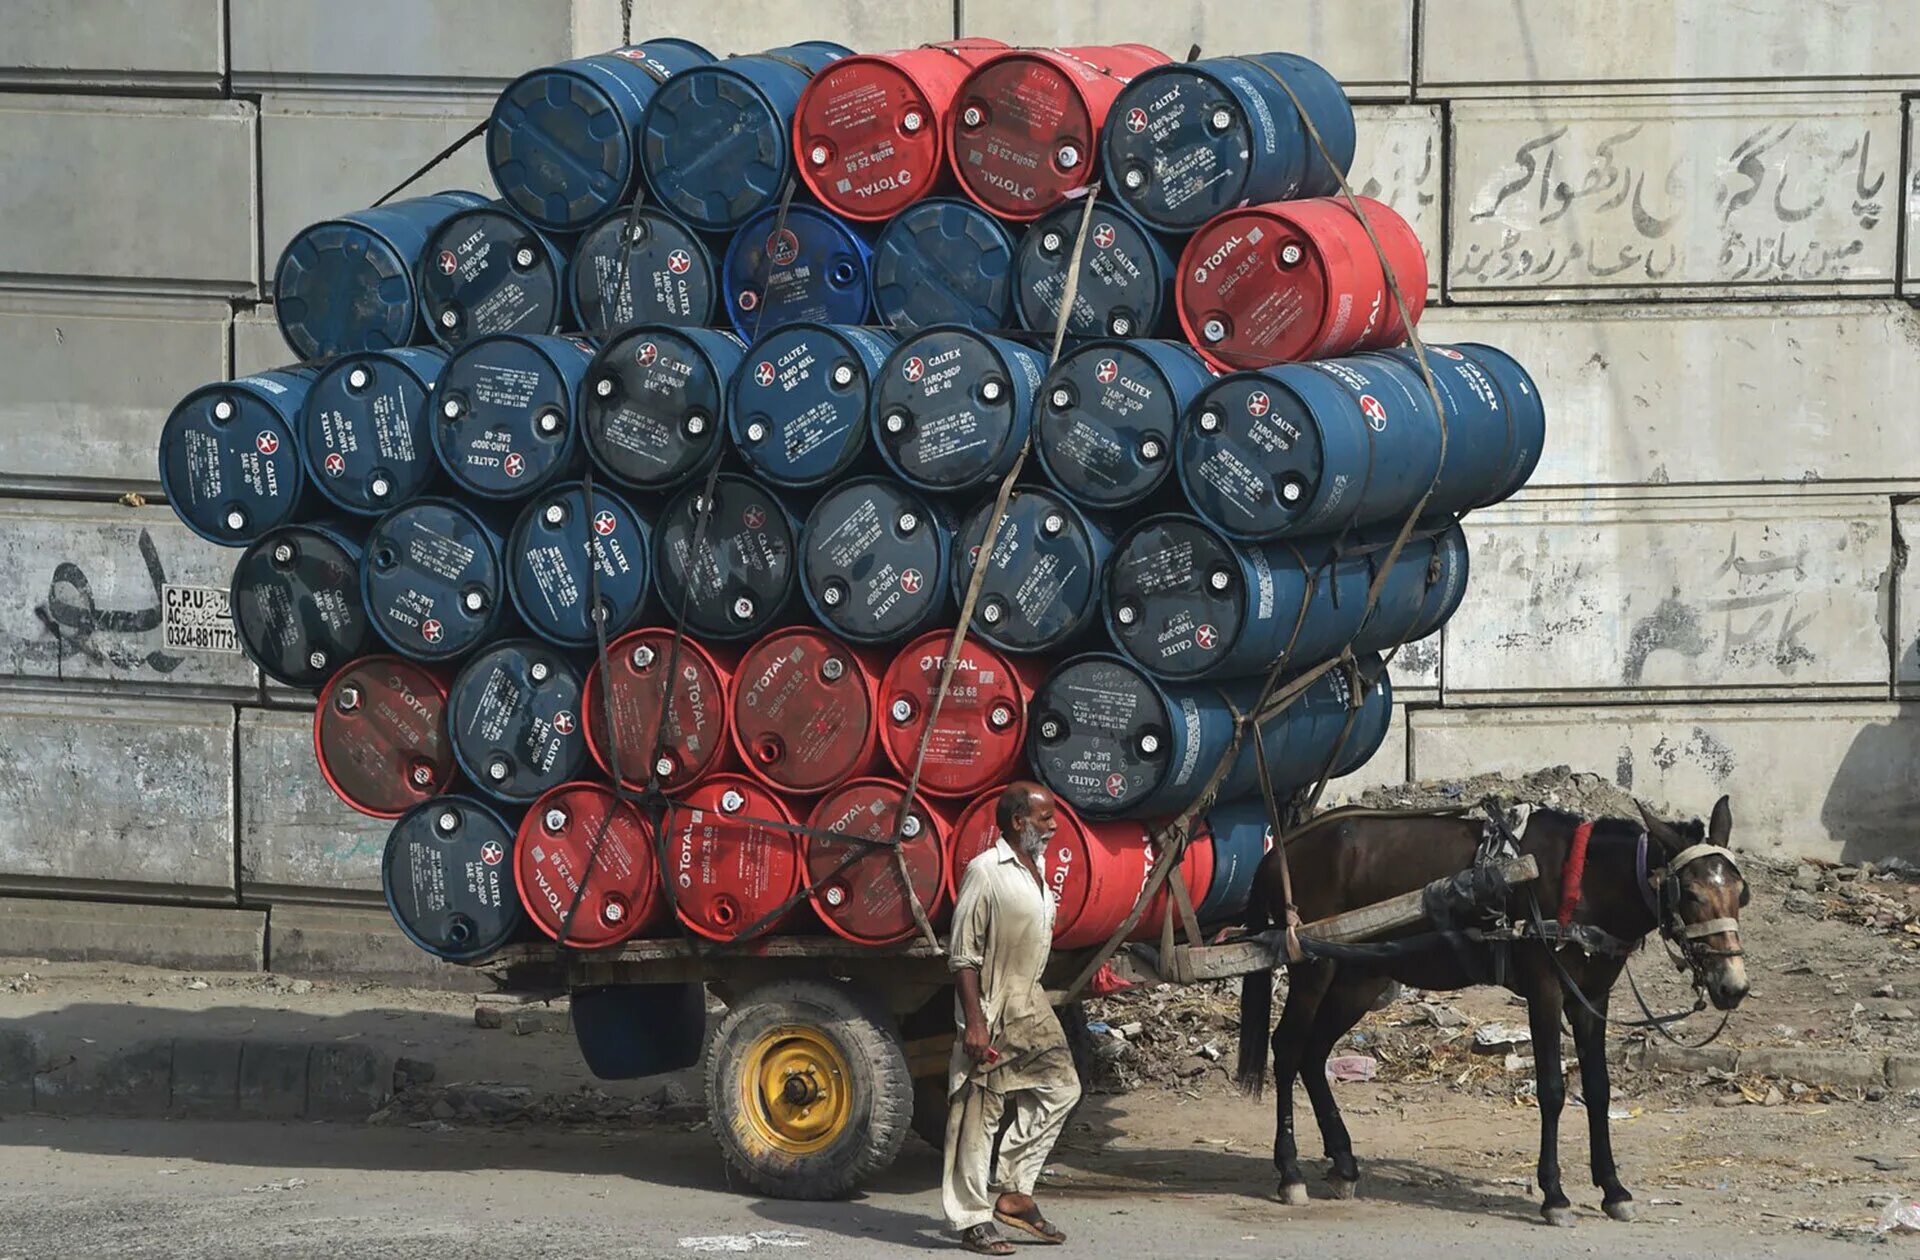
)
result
[(296, 603), (561, 140), (1042, 587), (797, 410), (229, 456), (874, 559), (716, 142), (513, 717), (489, 271), (1423, 588), (943, 261), (548, 558), (504, 425), (347, 284), (954, 406), (670, 276), (1306, 740), (447, 874), (1241, 835), (1312, 448), (1126, 275), (744, 577), (654, 406), (366, 429), (1104, 427), (1185, 142), (432, 580), (812, 267), (1526, 417)]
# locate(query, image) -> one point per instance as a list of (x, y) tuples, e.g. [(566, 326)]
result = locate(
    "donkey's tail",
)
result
[(1256, 1009)]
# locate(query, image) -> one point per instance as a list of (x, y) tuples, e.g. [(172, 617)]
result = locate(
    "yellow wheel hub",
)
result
[(794, 1089)]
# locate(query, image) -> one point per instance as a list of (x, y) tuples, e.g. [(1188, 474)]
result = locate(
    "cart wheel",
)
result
[(807, 1089)]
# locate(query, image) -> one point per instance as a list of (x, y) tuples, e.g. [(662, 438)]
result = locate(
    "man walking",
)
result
[(1012, 1055)]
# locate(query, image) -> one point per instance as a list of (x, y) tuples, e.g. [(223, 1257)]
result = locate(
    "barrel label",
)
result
[(197, 619)]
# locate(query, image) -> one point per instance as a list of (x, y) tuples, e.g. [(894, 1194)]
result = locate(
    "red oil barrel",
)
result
[(978, 740), (802, 710), (380, 735), (856, 888), (729, 873), (556, 846), (696, 744), (1295, 280), (870, 134), (1022, 132)]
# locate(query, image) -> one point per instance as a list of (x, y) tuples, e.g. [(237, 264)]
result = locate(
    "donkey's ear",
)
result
[(1720, 826), (1658, 829)]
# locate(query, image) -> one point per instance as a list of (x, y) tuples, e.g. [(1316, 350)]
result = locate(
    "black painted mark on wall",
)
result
[(1672, 627), (76, 623)]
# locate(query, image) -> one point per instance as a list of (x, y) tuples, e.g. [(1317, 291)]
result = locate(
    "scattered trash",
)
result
[(1492, 1038), (291, 1183), (1902, 1216), (1885, 1163), (1352, 1067), (747, 1242), (1211, 1053), (1623, 1113), (1440, 1015)]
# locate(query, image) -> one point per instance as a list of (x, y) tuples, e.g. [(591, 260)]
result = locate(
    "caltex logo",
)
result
[(1136, 120), (448, 263), (646, 354), (515, 464), (763, 373), (1455, 355), (1258, 403), (432, 631), (783, 247), (1103, 235), (563, 722), (1105, 371), (336, 463), (603, 523), (492, 854), (1206, 636), (910, 581), (1374, 411), (267, 442), (914, 368), (754, 516), (1116, 786), (679, 262)]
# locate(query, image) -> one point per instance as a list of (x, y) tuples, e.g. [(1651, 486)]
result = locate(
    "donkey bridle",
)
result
[(1661, 891)]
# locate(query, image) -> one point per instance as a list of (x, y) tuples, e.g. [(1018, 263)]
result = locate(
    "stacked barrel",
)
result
[(621, 522)]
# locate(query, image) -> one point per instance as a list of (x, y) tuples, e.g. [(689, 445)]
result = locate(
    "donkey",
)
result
[(1598, 894)]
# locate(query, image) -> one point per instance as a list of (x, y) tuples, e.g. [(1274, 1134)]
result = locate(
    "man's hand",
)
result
[(975, 1042), (973, 1033)]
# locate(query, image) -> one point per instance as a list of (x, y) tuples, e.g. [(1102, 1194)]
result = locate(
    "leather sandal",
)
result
[(985, 1240), (1031, 1222)]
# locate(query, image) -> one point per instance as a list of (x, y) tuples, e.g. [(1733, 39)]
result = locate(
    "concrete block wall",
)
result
[(1693, 221)]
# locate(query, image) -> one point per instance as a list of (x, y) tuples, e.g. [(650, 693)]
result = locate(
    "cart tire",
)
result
[(807, 1088)]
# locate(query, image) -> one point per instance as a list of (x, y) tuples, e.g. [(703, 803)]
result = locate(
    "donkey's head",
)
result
[(1696, 886)]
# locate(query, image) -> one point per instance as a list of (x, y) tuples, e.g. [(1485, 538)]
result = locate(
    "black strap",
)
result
[(434, 161)]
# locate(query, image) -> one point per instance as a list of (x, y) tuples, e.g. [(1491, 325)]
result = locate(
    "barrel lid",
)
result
[(547, 564), (366, 425), (514, 717), (809, 267), (652, 406), (1021, 136), (696, 720), (379, 734), (1124, 274), (981, 731), (745, 573), (1104, 424), (487, 271), (432, 580), (873, 560), (1178, 146), (868, 139), (1042, 585), (798, 405), (1253, 290), (732, 873), (943, 261), (503, 416), (447, 875), (581, 833), (802, 709), (558, 147), (341, 286), (855, 887), (296, 604), (1100, 736), (669, 279), (1251, 460), (228, 463), (1176, 596), (945, 411), (714, 148)]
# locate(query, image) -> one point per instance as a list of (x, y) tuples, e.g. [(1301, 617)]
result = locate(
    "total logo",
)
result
[(1106, 371), (448, 262), (432, 631), (603, 522), (514, 464), (1206, 636), (679, 262), (335, 463), (1258, 404), (754, 516), (1136, 120), (1375, 412), (763, 373), (266, 442), (914, 368), (646, 354), (1103, 235), (563, 722), (492, 854), (1116, 786), (910, 581)]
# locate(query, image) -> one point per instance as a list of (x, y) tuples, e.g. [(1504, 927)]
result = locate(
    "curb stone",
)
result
[(1860, 1068)]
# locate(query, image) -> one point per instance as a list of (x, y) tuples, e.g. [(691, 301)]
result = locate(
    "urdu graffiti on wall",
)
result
[(78, 626), (1664, 201)]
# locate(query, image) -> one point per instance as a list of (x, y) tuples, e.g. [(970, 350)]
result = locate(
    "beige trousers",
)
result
[(967, 1192)]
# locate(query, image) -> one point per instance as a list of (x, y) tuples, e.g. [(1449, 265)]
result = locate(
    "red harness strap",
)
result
[(1574, 872)]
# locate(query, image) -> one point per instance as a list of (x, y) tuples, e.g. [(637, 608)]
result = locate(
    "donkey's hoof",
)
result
[(1621, 1210), (1293, 1193), (1343, 1188), (1560, 1217)]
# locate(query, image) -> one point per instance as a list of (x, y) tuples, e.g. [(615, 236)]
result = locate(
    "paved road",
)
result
[(81, 1188)]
